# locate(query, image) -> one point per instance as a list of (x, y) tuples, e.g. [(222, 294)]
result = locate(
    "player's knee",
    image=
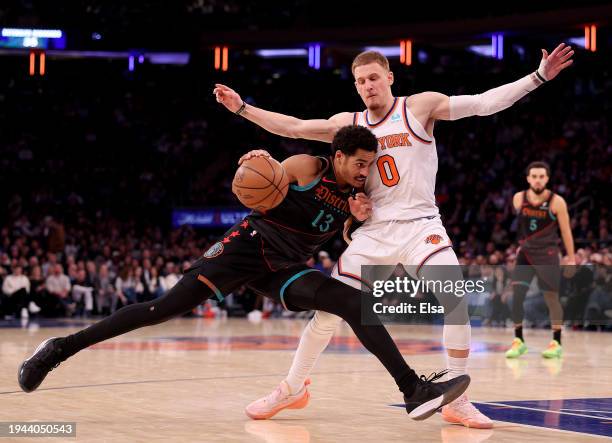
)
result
[(337, 298), (187, 294), (457, 336), (324, 323)]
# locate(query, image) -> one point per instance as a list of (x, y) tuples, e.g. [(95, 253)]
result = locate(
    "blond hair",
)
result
[(367, 57)]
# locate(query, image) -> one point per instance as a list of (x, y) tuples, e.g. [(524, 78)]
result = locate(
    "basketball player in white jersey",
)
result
[(405, 225)]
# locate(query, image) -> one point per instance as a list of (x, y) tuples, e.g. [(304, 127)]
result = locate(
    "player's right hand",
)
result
[(227, 97), (569, 267), (254, 153), (360, 206)]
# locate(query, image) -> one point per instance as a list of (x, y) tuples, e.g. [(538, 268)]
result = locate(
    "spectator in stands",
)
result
[(171, 278), (15, 292), (153, 283), (126, 286), (58, 286), (83, 293), (106, 294), (38, 291), (139, 285)]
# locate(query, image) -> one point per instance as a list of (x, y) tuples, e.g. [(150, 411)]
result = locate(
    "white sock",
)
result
[(456, 366), (314, 340)]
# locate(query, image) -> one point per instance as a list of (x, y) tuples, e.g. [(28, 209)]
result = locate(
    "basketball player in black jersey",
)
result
[(539, 212), (268, 252)]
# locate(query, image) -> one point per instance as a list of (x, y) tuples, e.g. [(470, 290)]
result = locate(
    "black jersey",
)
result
[(537, 225), (308, 216)]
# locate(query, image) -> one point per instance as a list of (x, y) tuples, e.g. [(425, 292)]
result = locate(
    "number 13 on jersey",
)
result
[(387, 170)]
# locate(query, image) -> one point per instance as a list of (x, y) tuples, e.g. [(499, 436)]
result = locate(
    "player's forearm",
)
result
[(494, 100), (568, 242), (279, 124), (287, 126)]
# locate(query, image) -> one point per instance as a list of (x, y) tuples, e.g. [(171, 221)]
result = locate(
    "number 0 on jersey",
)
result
[(388, 170)]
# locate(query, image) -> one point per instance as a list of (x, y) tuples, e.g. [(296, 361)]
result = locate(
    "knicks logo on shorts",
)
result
[(214, 251), (434, 239)]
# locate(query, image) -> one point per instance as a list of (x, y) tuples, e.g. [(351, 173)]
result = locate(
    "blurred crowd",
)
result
[(94, 159)]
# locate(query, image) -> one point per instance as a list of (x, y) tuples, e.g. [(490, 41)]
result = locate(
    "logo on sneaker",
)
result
[(214, 251), (434, 239)]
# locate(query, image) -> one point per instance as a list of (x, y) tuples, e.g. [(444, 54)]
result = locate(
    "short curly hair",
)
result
[(350, 138)]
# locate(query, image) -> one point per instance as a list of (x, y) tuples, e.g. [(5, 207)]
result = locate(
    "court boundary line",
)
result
[(541, 410), (545, 428)]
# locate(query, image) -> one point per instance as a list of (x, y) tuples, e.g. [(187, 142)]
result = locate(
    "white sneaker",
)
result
[(33, 308), (462, 411), (279, 399)]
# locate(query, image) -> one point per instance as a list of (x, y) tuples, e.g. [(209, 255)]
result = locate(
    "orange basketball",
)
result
[(260, 183)]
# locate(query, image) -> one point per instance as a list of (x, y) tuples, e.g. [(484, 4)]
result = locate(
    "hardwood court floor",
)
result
[(189, 380)]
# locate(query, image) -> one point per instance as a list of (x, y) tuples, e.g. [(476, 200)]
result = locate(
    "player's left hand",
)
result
[(361, 206), (555, 62), (254, 153), (227, 97)]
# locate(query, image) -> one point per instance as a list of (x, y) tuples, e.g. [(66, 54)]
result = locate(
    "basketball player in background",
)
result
[(539, 212), (405, 226), (267, 251)]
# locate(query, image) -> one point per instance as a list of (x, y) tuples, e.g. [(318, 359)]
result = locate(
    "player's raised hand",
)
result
[(254, 153), (361, 206), (227, 97), (555, 62)]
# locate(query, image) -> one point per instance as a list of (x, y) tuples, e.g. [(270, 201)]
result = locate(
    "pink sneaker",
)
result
[(462, 411), (279, 399)]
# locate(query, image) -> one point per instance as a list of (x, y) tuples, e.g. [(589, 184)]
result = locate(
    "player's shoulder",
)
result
[(557, 200), (304, 164), (304, 159)]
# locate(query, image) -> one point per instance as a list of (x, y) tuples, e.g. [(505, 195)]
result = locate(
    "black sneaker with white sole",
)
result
[(428, 397), (46, 357)]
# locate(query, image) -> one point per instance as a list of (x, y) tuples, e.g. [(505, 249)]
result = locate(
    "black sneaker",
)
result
[(34, 370), (428, 397)]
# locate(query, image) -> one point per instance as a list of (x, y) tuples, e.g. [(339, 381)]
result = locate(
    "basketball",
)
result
[(260, 183)]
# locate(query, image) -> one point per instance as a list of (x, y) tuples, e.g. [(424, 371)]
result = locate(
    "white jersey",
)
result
[(403, 179)]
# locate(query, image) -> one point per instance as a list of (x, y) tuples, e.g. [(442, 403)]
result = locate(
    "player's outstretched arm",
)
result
[(442, 107), (559, 208), (280, 124)]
